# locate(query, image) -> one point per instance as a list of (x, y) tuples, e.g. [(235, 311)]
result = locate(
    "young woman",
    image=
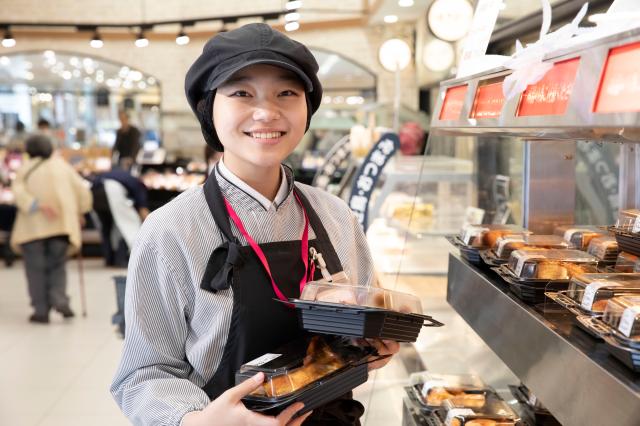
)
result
[(206, 267)]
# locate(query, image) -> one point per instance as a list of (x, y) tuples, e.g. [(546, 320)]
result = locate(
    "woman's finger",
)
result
[(236, 393), (285, 416), (299, 420)]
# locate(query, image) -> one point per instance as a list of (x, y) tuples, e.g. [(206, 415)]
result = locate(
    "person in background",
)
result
[(44, 126), (108, 202), (127, 143), (412, 138), (16, 143), (51, 198)]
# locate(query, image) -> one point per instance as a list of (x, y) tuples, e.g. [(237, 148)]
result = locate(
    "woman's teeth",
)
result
[(270, 135)]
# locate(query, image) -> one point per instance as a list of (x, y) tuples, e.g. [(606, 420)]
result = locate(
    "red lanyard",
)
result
[(258, 251)]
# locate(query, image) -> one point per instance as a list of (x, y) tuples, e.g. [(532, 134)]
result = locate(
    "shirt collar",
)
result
[(285, 188)]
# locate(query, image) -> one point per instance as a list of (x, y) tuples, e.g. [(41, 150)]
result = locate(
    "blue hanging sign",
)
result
[(368, 174)]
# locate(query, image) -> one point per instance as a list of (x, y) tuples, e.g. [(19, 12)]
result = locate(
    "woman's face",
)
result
[(260, 115)]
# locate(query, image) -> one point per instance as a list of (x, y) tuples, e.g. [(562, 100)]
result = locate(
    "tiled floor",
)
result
[(59, 374)]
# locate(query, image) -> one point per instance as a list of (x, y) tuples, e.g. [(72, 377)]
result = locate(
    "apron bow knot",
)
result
[(219, 271)]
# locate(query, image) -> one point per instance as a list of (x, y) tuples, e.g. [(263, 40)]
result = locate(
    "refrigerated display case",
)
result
[(582, 114)]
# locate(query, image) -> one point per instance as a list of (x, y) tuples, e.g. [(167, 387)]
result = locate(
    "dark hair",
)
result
[(19, 126), (43, 122), (39, 146), (204, 112)]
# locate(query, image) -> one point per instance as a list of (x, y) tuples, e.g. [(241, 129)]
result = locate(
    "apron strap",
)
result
[(215, 201), (314, 220)]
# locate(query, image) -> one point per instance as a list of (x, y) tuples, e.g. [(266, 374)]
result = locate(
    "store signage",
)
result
[(620, 82), (550, 96), (453, 102), (369, 173), (336, 156), (488, 101)]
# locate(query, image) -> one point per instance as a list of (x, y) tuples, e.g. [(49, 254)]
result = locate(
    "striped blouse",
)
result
[(175, 331)]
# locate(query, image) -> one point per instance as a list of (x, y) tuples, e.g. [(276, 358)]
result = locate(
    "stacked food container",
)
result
[(329, 362)]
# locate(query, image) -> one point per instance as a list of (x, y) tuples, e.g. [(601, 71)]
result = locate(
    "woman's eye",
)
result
[(240, 93), (288, 93)]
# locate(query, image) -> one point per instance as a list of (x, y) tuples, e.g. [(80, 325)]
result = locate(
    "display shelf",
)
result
[(590, 93), (568, 370)]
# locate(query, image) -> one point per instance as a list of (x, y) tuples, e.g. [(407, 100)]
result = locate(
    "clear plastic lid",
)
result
[(299, 364), (495, 412), (485, 236), (604, 247), (507, 244), (623, 314), (550, 264), (467, 390), (372, 297), (593, 291), (579, 236), (629, 220), (627, 262)]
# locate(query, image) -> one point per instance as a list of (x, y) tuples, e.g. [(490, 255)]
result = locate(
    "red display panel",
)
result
[(620, 82), (488, 101), (550, 96), (453, 101)]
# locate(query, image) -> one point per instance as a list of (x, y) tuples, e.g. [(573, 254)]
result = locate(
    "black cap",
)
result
[(229, 52)]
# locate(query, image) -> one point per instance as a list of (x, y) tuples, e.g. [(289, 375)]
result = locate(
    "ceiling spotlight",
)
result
[(291, 5), (182, 38), (142, 41), (8, 40), (405, 3), (293, 16), (291, 26), (391, 19), (96, 42)]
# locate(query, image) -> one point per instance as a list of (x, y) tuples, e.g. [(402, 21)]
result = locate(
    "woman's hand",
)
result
[(384, 347), (228, 410)]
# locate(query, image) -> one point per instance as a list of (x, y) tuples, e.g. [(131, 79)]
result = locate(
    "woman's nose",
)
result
[(266, 112)]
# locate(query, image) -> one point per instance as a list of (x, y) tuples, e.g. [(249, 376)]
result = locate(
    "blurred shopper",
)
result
[(51, 199), (16, 143), (120, 200), (412, 138), (127, 143)]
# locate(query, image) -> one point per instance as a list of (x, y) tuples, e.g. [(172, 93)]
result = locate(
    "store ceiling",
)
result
[(57, 71)]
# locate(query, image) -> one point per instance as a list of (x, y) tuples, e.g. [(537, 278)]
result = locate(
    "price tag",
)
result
[(569, 233), (636, 225), (628, 319), (430, 384), (590, 292), (471, 232), (522, 259), (533, 400), (263, 360), (457, 412)]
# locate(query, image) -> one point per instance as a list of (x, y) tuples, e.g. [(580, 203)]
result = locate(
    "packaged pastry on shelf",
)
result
[(592, 291), (623, 314), (579, 236), (431, 390), (485, 236), (605, 248), (628, 220), (550, 264), (626, 262), (507, 244), (495, 412)]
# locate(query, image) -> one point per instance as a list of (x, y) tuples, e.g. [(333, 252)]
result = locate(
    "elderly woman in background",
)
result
[(51, 199)]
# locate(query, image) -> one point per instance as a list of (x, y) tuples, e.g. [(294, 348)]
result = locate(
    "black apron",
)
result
[(259, 324)]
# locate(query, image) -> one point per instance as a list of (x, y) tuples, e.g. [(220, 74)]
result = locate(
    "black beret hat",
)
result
[(229, 52)]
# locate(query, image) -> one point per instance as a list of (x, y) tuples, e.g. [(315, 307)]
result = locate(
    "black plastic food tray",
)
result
[(470, 254), (491, 259), (531, 293), (539, 416), (319, 393), (420, 415), (627, 241), (358, 321), (630, 357)]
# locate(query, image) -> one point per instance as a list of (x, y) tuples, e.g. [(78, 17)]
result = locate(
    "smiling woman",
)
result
[(217, 256)]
